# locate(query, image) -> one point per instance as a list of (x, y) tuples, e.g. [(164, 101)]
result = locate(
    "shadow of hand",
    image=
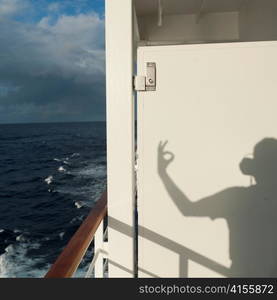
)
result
[(164, 157)]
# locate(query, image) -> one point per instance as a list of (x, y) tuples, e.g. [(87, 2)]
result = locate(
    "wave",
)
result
[(45, 200), (49, 179), (61, 234), (15, 263), (79, 204), (61, 169), (93, 171), (57, 159)]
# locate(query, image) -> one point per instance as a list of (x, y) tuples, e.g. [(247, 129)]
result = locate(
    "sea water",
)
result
[(51, 175)]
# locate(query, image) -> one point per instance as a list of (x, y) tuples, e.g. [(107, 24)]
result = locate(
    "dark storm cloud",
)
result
[(52, 70)]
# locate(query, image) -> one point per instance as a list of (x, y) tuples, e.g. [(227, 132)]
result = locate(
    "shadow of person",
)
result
[(250, 212)]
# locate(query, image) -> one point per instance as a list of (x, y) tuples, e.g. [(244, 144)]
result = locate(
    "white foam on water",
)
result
[(61, 169), (76, 219), (89, 193), (70, 190), (15, 263), (61, 234), (20, 238), (49, 179), (64, 159), (8, 249), (79, 204), (94, 171)]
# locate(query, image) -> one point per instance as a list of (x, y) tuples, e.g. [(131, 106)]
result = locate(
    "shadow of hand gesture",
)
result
[(164, 157)]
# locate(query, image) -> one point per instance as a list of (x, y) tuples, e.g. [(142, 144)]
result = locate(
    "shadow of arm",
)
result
[(182, 202)]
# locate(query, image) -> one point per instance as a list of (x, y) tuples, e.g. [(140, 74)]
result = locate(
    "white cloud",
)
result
[(11, 7), (57, 63), (71, 47), (75, 43)]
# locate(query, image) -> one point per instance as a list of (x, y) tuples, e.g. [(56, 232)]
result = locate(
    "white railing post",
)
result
[(98, 245), (96, 267)]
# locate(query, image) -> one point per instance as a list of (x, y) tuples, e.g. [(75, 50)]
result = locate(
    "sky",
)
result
[(52, 61)]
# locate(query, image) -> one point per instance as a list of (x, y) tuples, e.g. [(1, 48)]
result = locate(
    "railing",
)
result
[(72, 255)]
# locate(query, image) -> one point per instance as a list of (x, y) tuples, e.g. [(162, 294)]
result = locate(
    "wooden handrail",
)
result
[(69, 260)]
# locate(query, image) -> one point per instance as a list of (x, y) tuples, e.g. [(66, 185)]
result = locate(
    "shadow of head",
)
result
[(263, 165)]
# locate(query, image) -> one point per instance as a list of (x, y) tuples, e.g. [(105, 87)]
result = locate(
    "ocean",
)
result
[(51, 175)]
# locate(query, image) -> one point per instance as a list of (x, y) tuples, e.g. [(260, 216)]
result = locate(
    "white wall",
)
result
[(182, 28), (120, 136), (258, 20)]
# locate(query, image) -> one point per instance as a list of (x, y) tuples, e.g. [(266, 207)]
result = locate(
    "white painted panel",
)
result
[(200, 217), (120, 135)]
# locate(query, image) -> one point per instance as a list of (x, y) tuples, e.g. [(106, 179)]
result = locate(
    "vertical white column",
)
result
[(120, 134)]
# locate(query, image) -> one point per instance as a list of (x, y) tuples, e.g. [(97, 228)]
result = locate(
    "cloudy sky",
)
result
[(52, 60)]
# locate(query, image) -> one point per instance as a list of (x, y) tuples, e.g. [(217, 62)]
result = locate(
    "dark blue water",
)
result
[(50, 177)]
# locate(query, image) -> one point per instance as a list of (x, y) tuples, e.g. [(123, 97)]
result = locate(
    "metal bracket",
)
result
[(150, 76), (148, 82)]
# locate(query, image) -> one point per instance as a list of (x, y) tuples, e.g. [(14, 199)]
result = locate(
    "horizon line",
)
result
[(54, 122)]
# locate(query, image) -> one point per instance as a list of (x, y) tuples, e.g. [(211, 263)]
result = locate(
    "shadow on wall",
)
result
[(250, 212), (184, 253)]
